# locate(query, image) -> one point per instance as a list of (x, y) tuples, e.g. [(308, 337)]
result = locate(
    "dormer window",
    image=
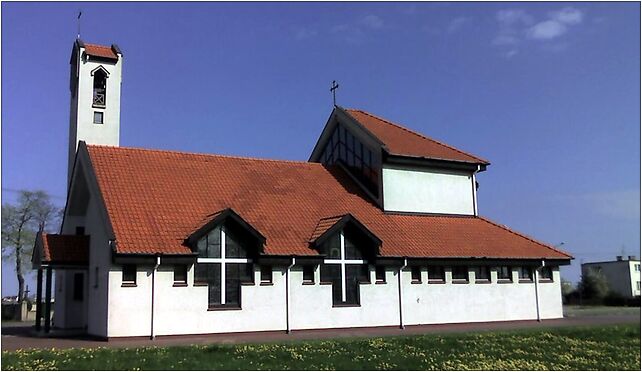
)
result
[(347, 246), (227, 247), (100, 87), (223, 264), (343, 267)]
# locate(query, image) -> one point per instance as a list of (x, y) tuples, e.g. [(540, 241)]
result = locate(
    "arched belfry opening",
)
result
[(100, 76)]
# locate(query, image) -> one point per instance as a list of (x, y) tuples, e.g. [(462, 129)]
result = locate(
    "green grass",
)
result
[(577, 348), (575, 310)]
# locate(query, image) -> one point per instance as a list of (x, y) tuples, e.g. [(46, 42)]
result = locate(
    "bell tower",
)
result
[(95, 81)]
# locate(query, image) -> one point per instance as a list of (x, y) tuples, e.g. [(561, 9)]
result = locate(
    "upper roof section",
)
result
[(98, 51), (154, 200), (401, 141)]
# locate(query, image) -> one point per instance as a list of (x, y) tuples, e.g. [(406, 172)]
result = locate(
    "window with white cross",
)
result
[(223, 265), (345, 267)]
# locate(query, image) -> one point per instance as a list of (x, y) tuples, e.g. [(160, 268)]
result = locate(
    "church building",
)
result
[(380, 227)]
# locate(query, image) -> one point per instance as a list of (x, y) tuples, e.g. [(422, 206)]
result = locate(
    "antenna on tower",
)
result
[(78, 20)]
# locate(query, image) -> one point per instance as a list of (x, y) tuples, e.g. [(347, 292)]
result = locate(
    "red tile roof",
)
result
[(402, 141), (155, 198), (100, 51), (65, 249), (323, 226)]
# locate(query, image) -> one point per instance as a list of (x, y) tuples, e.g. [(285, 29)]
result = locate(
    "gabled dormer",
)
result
[(226, 247), (401, 170)]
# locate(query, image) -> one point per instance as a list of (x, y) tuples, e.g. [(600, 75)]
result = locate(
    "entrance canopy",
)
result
[(61, 251)]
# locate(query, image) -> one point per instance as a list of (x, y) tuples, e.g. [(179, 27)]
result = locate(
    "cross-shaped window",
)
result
[(223, 265), (345, 268)]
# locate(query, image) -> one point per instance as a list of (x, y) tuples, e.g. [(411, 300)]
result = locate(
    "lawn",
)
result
[(578, 348)]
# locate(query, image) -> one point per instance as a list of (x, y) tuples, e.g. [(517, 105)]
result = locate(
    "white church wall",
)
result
[(92, 311), (429, 303), (183, 310), (68, 312), (60, 303), (311, 305), (82, 125), (99, 262), (550, 295), (408, 189)]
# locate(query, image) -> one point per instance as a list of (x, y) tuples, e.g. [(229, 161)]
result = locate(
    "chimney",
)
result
[(631, 258), (619, 258)]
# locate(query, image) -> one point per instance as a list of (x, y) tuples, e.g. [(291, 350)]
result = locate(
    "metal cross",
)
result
[(333, 88), (78, 20)]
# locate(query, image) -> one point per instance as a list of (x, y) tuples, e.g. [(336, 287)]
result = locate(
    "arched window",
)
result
[(100, 87)]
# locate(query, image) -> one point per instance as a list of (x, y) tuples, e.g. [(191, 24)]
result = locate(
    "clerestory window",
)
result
[(344, 267), (223, 265), (343, 147)]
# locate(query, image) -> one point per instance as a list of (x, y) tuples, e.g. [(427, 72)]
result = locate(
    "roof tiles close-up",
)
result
[(100, 51), (65, 248), (155, 199)]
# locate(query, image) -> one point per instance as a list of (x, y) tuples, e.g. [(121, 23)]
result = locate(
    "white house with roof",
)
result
[(380, 227)]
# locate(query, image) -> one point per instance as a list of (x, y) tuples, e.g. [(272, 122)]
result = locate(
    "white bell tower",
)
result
[(95, 80)]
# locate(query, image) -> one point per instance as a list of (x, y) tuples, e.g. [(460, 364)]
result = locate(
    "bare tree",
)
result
[(20, 223)]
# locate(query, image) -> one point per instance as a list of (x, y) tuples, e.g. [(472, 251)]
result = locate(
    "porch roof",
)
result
[(62, 250)]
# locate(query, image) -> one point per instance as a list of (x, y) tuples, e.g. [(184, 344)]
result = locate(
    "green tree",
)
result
[(594, 286), (20, 223)]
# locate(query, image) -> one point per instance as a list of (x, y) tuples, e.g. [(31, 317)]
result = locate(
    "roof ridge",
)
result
[(524, 236), (331, 217), (206, 155), (418, 134), (98, 45)]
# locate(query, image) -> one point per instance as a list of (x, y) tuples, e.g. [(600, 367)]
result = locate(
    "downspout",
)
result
[(537, 289), (152, 335), (287, 296), (405, 264)]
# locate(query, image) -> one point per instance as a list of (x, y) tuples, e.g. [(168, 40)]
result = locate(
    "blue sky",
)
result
[(548, 92)]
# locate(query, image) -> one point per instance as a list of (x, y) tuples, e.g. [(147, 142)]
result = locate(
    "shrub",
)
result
[(615, 299)]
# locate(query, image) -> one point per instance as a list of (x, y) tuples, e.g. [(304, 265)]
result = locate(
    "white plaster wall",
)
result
[(99, 257), (93, 311), (69, 313), (60, 303), (312, 308), (184, 310), (429, 303), (81, 121), (427, 191)]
